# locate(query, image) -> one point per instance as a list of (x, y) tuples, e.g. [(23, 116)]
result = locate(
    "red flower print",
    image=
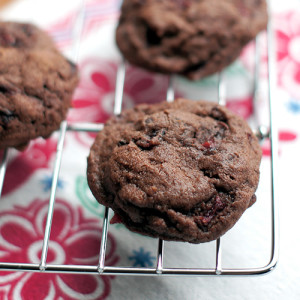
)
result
[(284, 136), (24, 164), (74, 240)]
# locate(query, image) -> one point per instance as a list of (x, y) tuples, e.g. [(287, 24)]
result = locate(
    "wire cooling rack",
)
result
[(262, 132)]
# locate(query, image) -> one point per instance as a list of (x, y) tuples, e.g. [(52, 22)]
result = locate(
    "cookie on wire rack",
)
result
[(36, 84), (181, 171), (194, 38)]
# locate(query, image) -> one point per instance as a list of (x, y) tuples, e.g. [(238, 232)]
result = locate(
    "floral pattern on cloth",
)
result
[(24, 164), (287, 34), (288, 51), (76, 233), (94, 98), (96, 13), (284, 137), (74, 240), (243, 107)]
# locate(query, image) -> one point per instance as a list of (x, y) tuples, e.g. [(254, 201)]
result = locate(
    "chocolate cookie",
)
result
[(194, 38), (183, 171), (36, 84)]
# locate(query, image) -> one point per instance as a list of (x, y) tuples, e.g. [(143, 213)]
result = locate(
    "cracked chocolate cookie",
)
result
[(182, 171), (36, 84), (194, 38)]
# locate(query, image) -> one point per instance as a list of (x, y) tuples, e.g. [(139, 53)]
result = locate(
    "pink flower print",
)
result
[(243, 107), (96, 83), (93, 100), (247, 56), (74, 240), (96, 12), (287, 34), (288, 51), (144, 87)]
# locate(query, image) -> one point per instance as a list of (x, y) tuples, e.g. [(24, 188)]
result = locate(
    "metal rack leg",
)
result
[(159, 265), (103, 242), (3, 168), (221, 89), (56, 170)]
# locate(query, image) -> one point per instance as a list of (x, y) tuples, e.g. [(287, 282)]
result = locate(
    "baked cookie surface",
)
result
[(194, 38), (36, 84), (182, 171)]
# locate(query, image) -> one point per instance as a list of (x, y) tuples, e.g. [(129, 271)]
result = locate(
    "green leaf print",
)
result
[(88, 201), (86, 197)]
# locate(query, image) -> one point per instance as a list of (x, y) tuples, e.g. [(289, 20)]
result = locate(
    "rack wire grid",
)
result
[(262, 132)]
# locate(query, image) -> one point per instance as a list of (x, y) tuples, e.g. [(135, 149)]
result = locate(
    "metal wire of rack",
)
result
[(101, 268)]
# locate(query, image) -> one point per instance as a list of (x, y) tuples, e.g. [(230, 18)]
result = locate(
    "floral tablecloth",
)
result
[(76, 229)]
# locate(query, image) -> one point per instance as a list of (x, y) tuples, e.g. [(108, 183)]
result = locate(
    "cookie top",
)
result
[(182, 171), (194, 38), (36, 84)]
